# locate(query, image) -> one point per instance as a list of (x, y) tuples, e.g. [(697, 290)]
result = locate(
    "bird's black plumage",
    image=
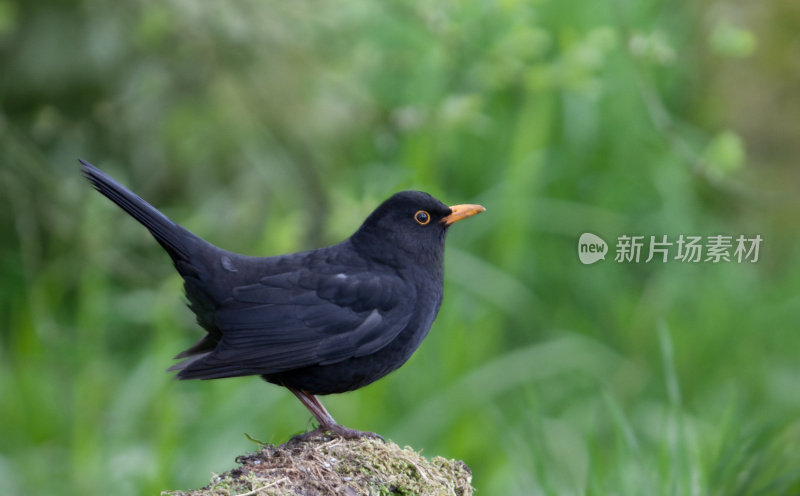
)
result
[(323, 321)]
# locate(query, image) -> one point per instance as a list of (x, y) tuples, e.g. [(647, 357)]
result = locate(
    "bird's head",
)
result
[(411, 225)]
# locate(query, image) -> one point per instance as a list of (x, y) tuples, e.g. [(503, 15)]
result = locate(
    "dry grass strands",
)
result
[(323, 465)]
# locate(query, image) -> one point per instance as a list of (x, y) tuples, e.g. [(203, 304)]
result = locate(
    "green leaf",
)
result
[(732, 41), (725, 153)]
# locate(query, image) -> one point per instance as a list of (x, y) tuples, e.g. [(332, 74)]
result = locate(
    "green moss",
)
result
[(336, 466)]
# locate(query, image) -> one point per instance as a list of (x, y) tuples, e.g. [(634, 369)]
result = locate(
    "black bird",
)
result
[(316, 322)]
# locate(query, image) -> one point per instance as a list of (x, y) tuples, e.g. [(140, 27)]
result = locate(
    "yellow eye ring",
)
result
[(422, 217)]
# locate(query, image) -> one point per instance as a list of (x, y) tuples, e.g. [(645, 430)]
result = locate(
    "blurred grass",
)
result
[(273, 127)]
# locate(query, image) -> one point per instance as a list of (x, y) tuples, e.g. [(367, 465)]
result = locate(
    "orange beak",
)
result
[(458, 212)]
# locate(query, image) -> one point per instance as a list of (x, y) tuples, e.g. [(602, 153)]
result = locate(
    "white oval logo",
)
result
[(591, 248)]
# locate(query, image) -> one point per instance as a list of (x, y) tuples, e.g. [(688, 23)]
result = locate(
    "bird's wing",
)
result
[(301, 318)]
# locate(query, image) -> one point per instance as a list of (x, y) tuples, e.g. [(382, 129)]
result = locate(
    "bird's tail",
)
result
[(174, 238)]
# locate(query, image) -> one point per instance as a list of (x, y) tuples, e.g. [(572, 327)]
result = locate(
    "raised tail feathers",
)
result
[(170, 235)]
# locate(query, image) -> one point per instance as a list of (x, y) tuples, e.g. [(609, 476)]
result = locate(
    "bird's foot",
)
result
[(334, 430)]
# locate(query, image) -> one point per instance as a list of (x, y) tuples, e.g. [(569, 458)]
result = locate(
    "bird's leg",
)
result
[(326, 422), (315, 407)]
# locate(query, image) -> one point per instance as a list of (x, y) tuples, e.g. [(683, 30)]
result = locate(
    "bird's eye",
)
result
[(422, 217)]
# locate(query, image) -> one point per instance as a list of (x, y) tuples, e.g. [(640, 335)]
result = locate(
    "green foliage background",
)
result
[(268, 127)]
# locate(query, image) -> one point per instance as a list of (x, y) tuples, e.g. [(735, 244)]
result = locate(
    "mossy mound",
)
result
[(326, 465)]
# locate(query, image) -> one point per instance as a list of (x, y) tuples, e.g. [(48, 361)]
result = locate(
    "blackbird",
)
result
[(317, 322)]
